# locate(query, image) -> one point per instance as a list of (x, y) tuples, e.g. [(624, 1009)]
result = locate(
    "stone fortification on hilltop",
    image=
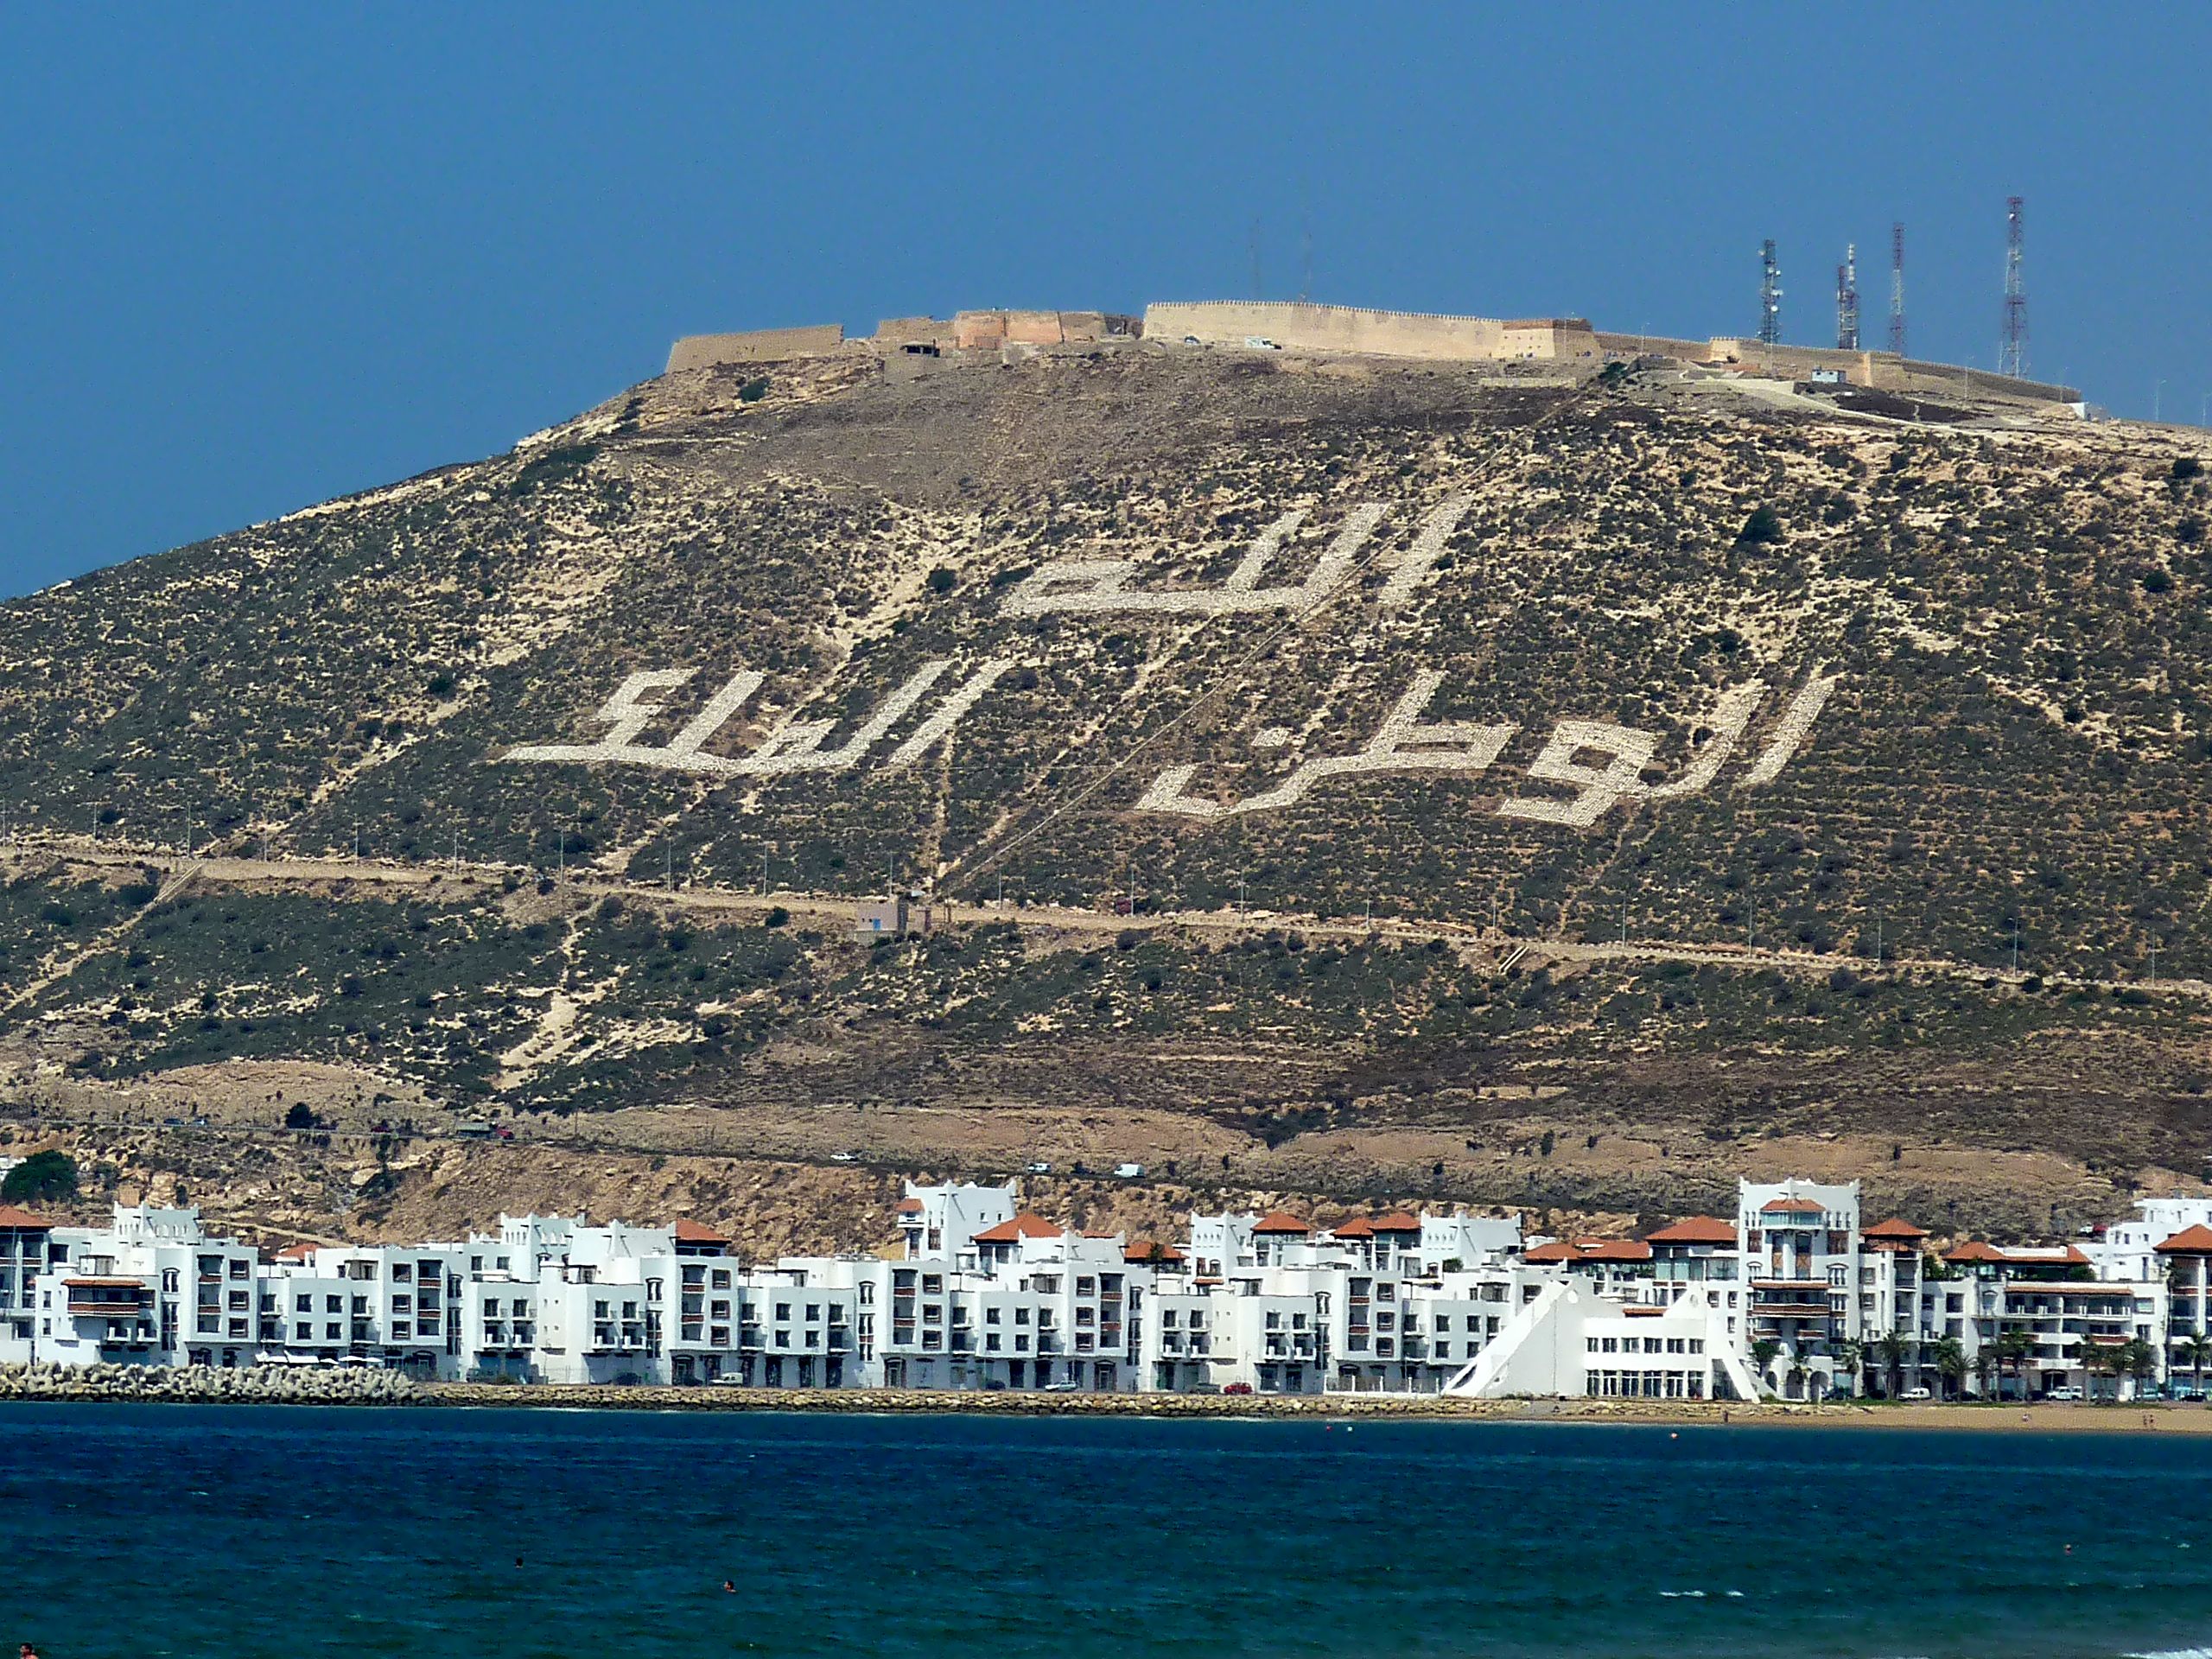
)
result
[(1296, 326)]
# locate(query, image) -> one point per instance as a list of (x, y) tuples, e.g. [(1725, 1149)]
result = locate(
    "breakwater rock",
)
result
[(295, 1385)]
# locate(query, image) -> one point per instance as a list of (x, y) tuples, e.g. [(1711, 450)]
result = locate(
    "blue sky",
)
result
[(257, 258)]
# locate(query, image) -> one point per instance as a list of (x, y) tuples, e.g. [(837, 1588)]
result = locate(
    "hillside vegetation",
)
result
[(2009, 765)]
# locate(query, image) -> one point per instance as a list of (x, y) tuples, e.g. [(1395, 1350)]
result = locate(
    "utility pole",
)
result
[(357, 841), (668, 868), (2015, 945), (2154, 958), (456, 852)]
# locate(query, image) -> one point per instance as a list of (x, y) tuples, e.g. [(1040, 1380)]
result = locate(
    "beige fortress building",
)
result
[(1562, 343)]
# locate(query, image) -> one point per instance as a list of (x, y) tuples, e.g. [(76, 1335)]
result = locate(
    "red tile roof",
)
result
[(2190, 1241), (697, 1232), (1615, 1250), (11, 1217), (907, 1207), (1975, 1250), (1142, 1249), (1790, 1207), (296, 1253), (1895, 1227), (1695, 1230), (1024, 1226), (1397, 1222), (1589, 1250), (1357, 1227), (1276, 1222)]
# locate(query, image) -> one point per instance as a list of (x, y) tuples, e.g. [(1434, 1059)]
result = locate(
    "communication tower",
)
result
[(1770, 295), (2012, 355), (1846, 300), (1896, 288)]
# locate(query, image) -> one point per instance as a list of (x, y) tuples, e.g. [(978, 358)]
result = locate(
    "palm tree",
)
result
[(1950, 1362), (2193, 1352), (2016, 1346), (2140, 1360), (1763, 1353), (1850, 1352), (2092, 1358), (1986, 1360), (1892, 1347)]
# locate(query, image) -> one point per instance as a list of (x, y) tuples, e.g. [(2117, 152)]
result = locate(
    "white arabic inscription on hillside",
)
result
[(1601, 764)]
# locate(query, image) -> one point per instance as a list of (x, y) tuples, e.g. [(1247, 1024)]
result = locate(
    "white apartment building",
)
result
[(1791, 1299), (151, 1289), (24, 1248)]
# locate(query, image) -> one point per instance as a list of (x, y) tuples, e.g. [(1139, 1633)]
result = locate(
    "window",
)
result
[(722, 1279), (991, 1316), (652, 1290), (783, 1310), (303, 1304), (169, 1280)]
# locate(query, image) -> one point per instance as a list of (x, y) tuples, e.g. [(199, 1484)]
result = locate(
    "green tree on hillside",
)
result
[(42, 1177)]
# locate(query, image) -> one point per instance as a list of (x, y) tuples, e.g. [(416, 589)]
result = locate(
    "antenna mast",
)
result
[(2013, 356), (1897, 287), (1846, 300), (1770, 295)]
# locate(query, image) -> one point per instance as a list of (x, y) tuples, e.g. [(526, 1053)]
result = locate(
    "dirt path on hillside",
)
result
[(832, 912)]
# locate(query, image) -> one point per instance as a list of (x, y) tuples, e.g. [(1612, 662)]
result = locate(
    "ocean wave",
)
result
[(2173, 1653)]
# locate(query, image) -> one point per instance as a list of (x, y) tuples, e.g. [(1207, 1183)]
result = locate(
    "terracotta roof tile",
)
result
[(1142, 1249), (1695, 1230), (907, 1207), (1615, 1250), (1276, 1222), (2190, 1241), (11, 1217), (1895, 1227), (1024, 1226), (1397, 1222), (697, 1232), (1357, 1227), (1790, 1207)]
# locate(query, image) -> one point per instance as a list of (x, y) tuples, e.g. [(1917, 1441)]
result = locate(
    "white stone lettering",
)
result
[(794, 747), (1400, 744), (1791, 730), (1095, 587)]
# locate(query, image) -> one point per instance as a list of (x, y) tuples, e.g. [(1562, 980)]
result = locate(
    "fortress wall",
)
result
[(1630, 346), (1329, 329), (913, 331), (1904, 374), (758, 346), (1551, 340)]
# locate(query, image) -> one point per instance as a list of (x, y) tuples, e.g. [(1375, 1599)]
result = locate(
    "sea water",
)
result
[(270, 1533)]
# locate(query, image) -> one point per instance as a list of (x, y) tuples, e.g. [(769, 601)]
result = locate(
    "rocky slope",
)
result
[(1592, 792)]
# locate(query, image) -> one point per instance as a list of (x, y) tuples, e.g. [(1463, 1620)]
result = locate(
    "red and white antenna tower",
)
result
[(2012, 355), (1896, 288)]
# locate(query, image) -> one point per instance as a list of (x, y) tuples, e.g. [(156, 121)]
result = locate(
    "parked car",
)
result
[(2068, 1392), (844, 1157), (1040, 1166), (1237, 1387), (1916, 1394), (1129, 1171)]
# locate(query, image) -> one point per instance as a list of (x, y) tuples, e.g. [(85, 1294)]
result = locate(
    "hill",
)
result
[(1518, 788)]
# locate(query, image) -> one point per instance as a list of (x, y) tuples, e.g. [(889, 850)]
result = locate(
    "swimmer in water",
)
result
[(728, 1588)]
